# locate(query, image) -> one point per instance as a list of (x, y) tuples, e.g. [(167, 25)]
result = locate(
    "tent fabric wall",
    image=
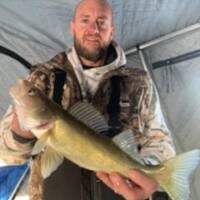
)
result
[(10, 71), (178, 87)]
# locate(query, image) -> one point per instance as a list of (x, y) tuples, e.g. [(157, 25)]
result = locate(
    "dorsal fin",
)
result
[(88, 115), (126, 142)]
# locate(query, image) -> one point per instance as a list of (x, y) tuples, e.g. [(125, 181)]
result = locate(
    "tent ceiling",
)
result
[(141, 21), (136, 22)]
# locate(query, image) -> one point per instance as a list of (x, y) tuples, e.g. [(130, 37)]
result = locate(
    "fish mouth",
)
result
[(17, 102), (14, 95), (44, 125)]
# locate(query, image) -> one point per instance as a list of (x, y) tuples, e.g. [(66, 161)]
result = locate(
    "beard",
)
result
[(95, 55)]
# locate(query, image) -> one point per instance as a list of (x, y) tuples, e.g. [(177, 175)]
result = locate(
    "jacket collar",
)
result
[(89, 78)]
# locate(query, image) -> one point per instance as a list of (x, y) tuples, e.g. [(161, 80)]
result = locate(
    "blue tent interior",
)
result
[(10, 178)]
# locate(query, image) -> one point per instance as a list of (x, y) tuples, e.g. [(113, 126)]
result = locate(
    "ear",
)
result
[(112, 32), (72, 27)]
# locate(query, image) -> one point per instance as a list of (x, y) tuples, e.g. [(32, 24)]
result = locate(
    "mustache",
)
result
[(92, 36)]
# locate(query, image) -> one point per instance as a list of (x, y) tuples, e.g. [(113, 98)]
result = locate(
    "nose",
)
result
[(94, 28)]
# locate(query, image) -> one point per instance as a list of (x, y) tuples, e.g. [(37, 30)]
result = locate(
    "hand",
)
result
[(138, 187), (15, 126)]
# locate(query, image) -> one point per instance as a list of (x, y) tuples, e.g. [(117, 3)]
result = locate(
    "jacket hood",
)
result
[(89, 78)]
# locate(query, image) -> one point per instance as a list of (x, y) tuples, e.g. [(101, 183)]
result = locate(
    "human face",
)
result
[(92, 30)]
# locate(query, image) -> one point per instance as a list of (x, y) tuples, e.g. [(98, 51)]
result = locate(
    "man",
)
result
[(95, 73)]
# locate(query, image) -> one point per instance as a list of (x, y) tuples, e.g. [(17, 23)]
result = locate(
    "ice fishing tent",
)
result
[(161, 36)]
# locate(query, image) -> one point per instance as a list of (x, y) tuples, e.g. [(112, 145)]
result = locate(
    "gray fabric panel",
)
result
[(178, 87)]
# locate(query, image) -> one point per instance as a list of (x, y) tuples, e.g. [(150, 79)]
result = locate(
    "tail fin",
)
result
[(178, 178)]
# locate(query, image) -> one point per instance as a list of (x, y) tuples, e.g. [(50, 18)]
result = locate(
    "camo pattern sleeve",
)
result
[(13, 148), (155, 143)]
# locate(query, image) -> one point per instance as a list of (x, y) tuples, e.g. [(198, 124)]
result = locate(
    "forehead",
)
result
[(94, 9)]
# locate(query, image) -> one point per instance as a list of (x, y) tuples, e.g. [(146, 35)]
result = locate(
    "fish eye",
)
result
[(32, 92)]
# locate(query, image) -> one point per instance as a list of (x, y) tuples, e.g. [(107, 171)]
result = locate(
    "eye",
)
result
[(85, 20), (102, 23), (32, 92)]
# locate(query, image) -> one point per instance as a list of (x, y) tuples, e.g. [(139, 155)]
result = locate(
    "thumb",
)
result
[(148, 183)]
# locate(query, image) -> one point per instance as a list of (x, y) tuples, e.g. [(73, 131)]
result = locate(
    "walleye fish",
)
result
[(76, 134)]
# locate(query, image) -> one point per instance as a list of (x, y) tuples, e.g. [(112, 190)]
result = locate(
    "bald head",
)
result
[(102, 4), (92, 29)]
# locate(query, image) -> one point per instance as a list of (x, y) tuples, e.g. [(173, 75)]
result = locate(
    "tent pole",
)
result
[(163, 38), (141, 55)]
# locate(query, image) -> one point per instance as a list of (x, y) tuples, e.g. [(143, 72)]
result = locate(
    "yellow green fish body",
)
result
[(76, 135), (88, 149)]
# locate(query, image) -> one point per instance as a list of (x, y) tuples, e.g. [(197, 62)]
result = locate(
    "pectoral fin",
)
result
[(126, 142), (40, 144), (50, 161)]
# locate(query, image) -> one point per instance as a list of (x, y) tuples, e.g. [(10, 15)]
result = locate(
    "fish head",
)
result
[(31, 106)]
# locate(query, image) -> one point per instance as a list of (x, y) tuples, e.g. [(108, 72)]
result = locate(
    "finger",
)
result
[(104, 177), (148, 184), (128, 190)]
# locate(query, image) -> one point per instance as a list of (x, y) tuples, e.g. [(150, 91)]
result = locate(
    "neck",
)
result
[(97, 63)]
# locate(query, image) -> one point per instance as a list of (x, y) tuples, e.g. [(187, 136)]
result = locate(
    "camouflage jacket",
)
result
[(138, 107)]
